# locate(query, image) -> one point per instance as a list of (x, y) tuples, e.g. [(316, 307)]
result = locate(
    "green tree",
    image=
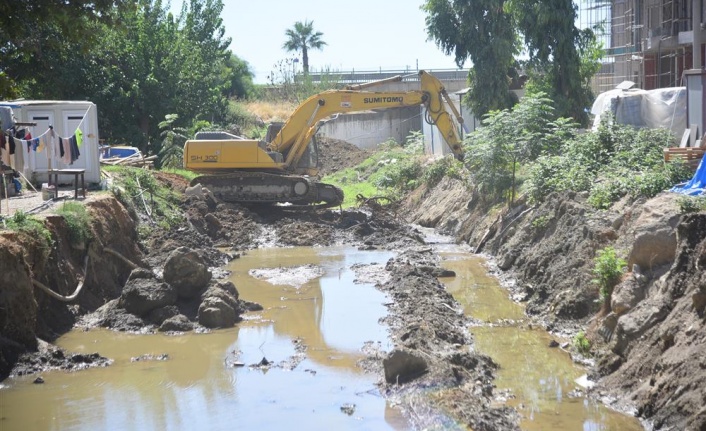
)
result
[(238, 78), (35, 34), (138, 67), (562, 58), (302, 37), (509, 138), (483, 32)]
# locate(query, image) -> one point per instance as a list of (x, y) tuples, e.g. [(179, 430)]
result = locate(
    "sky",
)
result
[(360, 34)]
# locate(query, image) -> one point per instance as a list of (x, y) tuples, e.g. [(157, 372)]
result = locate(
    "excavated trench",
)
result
[(541, 382), (306, 355)]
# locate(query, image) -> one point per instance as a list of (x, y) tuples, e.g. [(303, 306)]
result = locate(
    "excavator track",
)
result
[(265, 188)]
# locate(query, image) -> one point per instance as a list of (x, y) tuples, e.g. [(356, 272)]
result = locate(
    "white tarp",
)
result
[(663, 107)]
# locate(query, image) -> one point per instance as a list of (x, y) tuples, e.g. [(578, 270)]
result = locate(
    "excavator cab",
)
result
[(309, 161)]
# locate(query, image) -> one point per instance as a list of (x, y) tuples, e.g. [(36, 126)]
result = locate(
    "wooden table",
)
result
[(75, 172)]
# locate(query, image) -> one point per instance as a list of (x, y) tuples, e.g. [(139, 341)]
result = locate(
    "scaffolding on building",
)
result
[(648, 42)]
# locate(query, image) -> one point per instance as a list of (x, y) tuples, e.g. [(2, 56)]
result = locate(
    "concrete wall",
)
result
[(368, 129)]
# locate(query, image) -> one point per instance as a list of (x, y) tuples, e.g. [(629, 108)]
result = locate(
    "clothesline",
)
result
[(67, 150)]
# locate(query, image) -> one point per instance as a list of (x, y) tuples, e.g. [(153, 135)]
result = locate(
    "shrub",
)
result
[(541, 222), (77, 220), (582, 343), (612, 162), (691, 204), (608, 268), (446, 167)]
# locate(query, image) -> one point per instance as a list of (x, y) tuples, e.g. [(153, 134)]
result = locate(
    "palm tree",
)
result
[(302, 37)]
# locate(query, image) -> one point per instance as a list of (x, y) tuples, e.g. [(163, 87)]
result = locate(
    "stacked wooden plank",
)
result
[(690, 155), (136, 160)]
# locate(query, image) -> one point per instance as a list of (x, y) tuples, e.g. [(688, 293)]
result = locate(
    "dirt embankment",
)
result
[(648, 340), (26, 312)]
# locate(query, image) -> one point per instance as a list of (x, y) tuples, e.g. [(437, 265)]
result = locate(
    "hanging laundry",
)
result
[(2, 140), (66, 147), (79, 137), (74, 149), (17, 144), (43, 141), (35, 144)]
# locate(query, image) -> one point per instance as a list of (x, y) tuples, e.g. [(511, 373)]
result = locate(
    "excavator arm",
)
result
[(296, 133)]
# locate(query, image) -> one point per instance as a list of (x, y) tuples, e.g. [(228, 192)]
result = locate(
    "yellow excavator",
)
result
[(282, 168)]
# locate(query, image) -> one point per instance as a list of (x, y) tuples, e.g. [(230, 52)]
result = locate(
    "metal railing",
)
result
[(409, 75)]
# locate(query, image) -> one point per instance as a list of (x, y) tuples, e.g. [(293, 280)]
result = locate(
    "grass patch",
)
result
[(140, 191), (77, 220), (189, 175), (32, 229)]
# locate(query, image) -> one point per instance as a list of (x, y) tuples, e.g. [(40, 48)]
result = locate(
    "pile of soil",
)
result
[(336, 155)]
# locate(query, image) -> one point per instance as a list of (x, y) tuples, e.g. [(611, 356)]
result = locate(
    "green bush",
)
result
[(400, 175), (77, 220), (541, 222), (608, 268), (445, 167), (582, 343), (610, 163), (691, 204)]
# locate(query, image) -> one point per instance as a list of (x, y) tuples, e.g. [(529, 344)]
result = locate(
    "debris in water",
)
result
[(348, 409)]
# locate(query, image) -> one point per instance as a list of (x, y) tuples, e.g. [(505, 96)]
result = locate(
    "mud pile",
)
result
[(434, 351), (336, 155)]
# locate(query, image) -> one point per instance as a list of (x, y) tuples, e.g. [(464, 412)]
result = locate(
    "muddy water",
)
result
[(202, 385), (540, 378)]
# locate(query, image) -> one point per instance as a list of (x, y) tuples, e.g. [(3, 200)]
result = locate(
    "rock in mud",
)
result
[(187, 272), (402, 366), (655, 233), (214, 312), (178, 323), (111, 315), (159, 315), (626, 295), (142, 295)]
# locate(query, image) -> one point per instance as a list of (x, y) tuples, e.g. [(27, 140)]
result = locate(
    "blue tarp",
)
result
[(697, 185)]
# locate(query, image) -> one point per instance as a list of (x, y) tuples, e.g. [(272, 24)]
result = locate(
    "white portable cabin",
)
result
[(66, 117)]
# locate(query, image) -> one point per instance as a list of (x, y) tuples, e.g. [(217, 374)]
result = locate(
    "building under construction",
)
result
[(648, 42)]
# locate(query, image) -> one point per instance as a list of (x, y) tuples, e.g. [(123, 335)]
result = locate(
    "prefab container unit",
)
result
[(65, 116)]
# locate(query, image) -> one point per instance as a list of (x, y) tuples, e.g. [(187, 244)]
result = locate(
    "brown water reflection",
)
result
[(195, 390), (540, 377)]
